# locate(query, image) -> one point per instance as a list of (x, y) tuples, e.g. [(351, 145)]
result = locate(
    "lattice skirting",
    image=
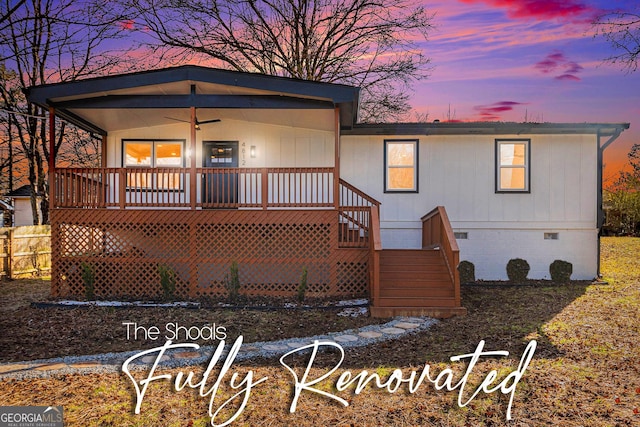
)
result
[(125, 248)]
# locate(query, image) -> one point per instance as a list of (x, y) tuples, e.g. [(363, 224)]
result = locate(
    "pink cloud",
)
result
[(557, 63), (492, 112), (573, 67), (543, 9), (568, 77)]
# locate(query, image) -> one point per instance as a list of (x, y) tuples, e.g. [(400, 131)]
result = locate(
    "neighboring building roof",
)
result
[(24, 191), (189, 86)]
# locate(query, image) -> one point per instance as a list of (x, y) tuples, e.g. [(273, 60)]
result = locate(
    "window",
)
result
[(153, 154), (401, 166), (512, 165)]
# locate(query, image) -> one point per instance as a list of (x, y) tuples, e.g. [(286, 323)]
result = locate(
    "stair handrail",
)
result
[(370, 200), (354, 209), (437, 231), (375, 243)]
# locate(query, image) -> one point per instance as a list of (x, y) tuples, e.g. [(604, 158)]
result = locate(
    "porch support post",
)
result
[(193, 246), (103, 152), (192, 148), (52, 158), (336, 167)]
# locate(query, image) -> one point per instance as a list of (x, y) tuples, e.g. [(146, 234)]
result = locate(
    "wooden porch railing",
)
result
[(437, 232), (226, 188), (355, 216), (217, 188)]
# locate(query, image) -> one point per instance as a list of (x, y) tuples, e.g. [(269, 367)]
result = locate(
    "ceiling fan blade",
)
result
[(208, 121), (177, 120), (198, 123)]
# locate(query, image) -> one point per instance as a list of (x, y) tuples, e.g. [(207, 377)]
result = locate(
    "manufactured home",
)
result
[(202, 168)]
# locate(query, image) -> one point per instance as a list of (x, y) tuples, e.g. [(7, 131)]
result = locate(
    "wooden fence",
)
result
[(25, 251)]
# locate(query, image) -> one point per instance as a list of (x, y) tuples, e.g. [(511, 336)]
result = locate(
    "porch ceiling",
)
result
[(114, 119)]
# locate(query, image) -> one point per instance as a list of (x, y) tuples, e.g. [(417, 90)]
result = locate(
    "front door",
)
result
[(220, 188)]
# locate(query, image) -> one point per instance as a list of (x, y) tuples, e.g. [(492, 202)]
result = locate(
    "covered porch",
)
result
[(210, 203)]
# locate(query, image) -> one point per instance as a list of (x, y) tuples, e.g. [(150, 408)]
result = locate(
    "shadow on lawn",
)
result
[(505, 317)]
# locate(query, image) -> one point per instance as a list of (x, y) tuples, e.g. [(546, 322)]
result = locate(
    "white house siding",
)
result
[(458, 172), (276, 146)]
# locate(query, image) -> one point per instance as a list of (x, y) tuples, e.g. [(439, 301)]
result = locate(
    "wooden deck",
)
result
[(126, 222)]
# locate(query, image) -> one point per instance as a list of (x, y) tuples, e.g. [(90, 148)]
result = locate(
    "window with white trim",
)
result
[(153, 154), (513, 165), (401, 166)]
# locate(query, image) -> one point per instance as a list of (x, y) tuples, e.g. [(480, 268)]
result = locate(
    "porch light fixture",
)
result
[(252, 151)]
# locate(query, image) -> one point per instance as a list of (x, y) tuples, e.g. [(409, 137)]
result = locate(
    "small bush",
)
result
[(88, 279), (302, 288), (517, 270), (233, 282), (561, 271), (167, 281), (467, 272)]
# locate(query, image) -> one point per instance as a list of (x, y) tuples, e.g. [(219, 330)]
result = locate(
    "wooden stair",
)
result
[(415, 283)]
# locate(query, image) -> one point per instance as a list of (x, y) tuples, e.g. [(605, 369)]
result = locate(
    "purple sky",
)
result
[(507, 60)]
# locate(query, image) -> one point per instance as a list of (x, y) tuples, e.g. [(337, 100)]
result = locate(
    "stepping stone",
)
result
[(81, 365), (370, 334), (406, 325), (393, 331), (187, 355), (152, 359), (51, 367), (413, 320), (275, 347), (346, 338), (11, 368)]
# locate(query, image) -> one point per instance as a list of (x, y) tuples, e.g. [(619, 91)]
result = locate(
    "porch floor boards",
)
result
[(415, 283)]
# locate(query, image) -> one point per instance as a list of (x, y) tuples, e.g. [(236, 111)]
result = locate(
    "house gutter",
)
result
[(600, 214)]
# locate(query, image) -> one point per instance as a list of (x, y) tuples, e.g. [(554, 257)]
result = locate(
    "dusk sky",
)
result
[(504, 60)]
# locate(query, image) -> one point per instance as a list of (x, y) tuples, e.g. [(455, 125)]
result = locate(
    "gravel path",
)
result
[(176, 357)]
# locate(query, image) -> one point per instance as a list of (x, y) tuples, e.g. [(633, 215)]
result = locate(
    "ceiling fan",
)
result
[(198, 123)]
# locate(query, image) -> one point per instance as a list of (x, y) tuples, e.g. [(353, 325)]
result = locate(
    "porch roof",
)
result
[(113, 102)]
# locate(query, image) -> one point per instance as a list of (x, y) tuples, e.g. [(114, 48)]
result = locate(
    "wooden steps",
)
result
[(349, 234), (415, 283)]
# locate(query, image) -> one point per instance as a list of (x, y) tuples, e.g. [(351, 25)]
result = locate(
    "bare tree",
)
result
[(47, 41), (622, 30), (373, 44)]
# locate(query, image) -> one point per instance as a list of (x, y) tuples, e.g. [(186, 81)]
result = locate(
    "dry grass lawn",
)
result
[(585, 372)]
